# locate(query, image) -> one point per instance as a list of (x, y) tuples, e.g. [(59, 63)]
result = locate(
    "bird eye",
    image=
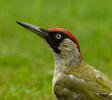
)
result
[(58, 36)]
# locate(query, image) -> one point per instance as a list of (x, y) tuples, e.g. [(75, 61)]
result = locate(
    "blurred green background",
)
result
[(26, 64)]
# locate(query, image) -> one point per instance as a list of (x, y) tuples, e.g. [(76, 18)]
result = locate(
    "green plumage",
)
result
[(83, 82)]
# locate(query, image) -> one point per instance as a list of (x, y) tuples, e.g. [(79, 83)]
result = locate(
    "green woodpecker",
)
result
[(73, 78)]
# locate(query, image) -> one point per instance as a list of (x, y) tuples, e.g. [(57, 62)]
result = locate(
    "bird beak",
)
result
[(35, 29)]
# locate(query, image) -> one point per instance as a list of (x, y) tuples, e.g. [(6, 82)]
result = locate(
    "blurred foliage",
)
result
[(26, 64)]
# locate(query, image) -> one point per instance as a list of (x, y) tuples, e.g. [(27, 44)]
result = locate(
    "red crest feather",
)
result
[(70, 35)]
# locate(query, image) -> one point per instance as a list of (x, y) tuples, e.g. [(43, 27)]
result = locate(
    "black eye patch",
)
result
[(55, 38)]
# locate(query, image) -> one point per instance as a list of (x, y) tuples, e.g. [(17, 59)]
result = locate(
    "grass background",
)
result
[(26, 64)]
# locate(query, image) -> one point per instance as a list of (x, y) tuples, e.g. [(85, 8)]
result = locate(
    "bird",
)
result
[(73, 78)]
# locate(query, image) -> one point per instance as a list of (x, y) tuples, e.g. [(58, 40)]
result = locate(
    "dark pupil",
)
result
[(58, 36)]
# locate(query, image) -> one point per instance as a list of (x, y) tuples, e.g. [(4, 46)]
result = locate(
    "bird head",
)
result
[(61, 41)]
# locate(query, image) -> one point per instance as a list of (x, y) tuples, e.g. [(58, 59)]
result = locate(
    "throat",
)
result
[(64, 61), (69, 55)]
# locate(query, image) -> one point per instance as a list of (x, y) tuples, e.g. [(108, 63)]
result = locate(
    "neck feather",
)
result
[(69, 55)]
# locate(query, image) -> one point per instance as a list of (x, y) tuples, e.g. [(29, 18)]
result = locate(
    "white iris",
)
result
[(58, 36)]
